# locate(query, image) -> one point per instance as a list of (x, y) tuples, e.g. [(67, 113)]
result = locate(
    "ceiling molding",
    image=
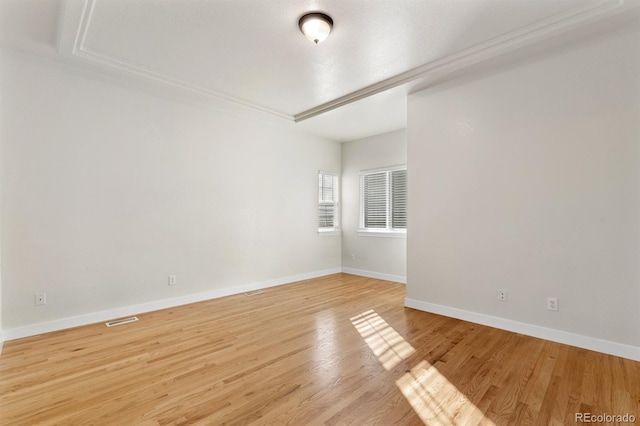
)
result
[(75, 21), (508, 42), (141, 72)]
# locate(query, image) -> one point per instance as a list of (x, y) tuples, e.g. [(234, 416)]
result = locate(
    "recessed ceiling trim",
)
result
[(69, 25), (144, 73), (502, 44), (84, 26), (73, 44)]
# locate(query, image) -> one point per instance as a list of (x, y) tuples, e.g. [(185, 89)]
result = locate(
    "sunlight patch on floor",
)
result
[(436, 400), (389, 346)]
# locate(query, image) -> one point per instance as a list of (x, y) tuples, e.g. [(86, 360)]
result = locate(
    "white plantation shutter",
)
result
[(375, 193), (383, 199), (328, 197), (399, 199)]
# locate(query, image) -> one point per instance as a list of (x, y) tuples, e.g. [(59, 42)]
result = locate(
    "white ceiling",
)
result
[(250, 53)]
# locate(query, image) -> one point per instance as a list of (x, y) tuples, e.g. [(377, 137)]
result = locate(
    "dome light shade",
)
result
[(316, 26)]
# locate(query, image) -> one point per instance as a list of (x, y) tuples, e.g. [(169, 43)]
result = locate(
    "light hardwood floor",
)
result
[(335, 350)]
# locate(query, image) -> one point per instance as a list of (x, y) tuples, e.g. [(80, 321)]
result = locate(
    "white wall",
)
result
[(528, 180), (107, 191), (367, 255), (1, 144)]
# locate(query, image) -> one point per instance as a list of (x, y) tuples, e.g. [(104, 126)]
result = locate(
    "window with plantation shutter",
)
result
[(383, 201), (399, 199), (328, 203), (375, 193)]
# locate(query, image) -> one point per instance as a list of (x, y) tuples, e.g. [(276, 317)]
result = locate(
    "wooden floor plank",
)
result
[(334, 350)]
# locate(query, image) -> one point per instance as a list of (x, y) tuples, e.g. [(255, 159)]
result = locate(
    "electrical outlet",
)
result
[(41, 299), (172, 280), (502, 295), (552, 303)]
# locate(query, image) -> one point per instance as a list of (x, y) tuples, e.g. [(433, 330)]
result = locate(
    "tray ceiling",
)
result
[(251, 54)]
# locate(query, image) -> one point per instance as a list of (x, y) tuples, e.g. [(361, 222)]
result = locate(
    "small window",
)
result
[(383, 202), (328, 203)]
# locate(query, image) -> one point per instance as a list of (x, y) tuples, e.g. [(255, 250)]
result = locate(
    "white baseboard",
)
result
[(76, 321), (572, 339), (1, 341), (377, 275)]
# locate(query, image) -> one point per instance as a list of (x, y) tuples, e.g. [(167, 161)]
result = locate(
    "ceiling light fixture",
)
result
[(316, 26)]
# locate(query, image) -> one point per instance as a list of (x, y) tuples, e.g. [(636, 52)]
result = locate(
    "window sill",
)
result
[(382, 233), (323, 233)]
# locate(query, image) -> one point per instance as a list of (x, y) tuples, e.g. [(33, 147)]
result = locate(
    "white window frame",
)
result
[(335, 203), (388, 231)]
